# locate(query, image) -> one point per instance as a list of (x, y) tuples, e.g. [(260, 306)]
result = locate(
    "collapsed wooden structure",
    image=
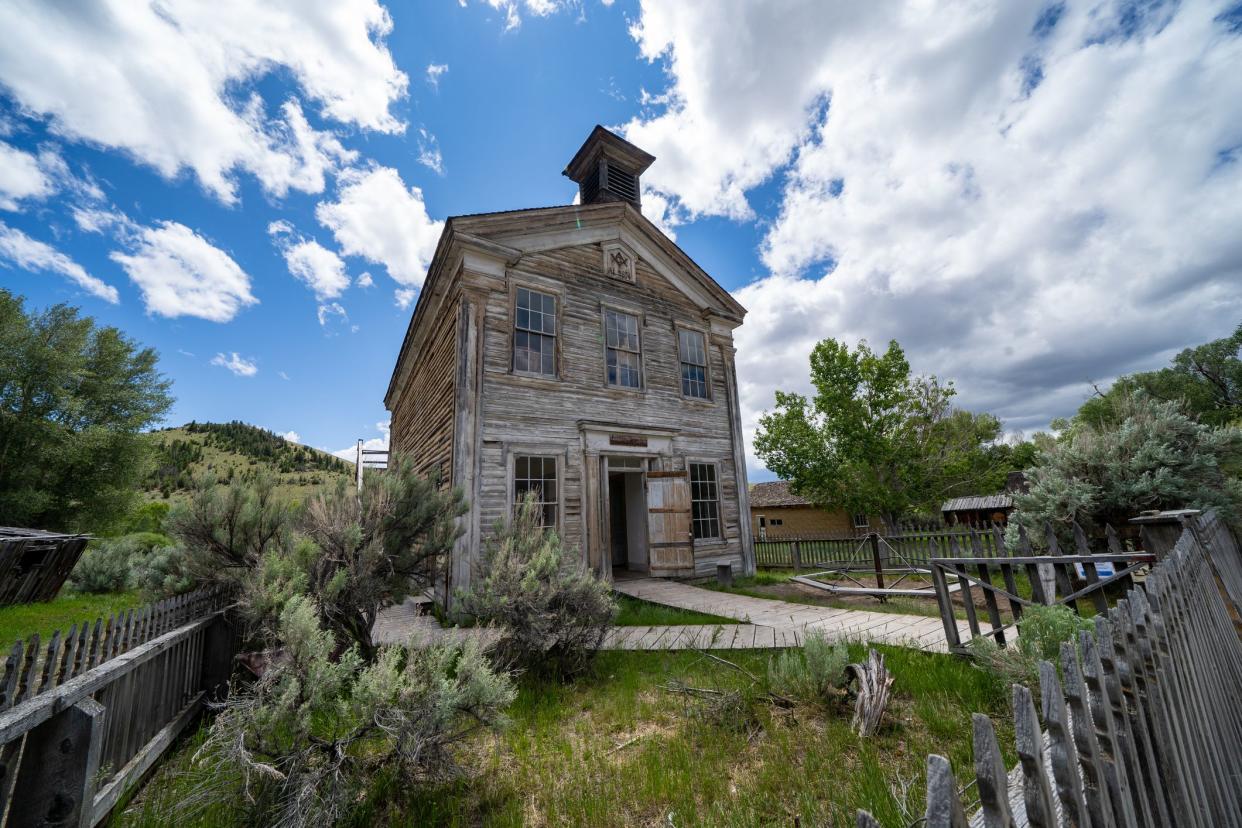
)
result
[(35, 564), (1141, 723)]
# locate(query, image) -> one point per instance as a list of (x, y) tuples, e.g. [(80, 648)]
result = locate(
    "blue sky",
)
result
[(1031, 197)]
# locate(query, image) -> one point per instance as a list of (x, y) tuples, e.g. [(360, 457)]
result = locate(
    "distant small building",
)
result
[(978, 510), (776, 510)]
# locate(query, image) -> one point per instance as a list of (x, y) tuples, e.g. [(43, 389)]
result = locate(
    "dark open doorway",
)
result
[(627, 525)]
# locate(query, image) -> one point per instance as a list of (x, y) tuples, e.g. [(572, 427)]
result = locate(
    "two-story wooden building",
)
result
[(578, 353)]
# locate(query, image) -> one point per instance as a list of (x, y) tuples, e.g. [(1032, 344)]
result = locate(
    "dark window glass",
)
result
[(623, 358), (534, 333), (538, 475), (704, 501), (693, 364)]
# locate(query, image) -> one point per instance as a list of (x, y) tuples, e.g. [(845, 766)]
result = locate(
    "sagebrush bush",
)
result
[(105, 566), (814, 673), (301, 744), (1041, 632), (164, 571), (551, 610)]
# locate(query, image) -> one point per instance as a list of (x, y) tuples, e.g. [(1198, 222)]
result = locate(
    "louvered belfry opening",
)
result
[(607, 168)]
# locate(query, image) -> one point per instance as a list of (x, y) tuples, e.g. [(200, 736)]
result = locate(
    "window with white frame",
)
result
[(538, 475), (704, 501), (534, 333), (693, 350), (861, 521), (623, 357)]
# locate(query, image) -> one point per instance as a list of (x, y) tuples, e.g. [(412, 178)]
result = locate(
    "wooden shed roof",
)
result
[(773, 494)]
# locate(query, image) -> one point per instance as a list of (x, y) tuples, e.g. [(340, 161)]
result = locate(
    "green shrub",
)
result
[(553, 613), (300, 746), (1041, 632), (814, 674), (105, 566), (164, 571)]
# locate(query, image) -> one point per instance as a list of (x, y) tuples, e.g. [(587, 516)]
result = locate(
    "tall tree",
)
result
[(1206, 380), (876, 440), (73, 398)]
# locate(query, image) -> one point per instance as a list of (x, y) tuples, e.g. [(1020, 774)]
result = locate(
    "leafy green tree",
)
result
[(1206, 380), (1153, 457), (876, 440), (74, 398)]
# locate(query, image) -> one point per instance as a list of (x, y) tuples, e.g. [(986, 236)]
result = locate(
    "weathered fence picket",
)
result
[(84, 717), (1142, 723)]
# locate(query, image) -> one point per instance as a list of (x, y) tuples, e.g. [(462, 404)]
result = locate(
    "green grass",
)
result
[(636, 613), (614, 749), (22, 620)]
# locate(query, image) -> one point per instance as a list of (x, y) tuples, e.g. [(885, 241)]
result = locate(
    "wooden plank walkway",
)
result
[(765, 623), (782, 623)]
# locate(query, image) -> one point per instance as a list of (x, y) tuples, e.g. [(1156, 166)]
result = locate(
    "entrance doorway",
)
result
[(627, 516)]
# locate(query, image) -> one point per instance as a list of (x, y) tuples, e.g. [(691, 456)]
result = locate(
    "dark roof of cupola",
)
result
[(607, 167)]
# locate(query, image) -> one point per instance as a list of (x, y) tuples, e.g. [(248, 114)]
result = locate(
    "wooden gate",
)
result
[(670, 540)]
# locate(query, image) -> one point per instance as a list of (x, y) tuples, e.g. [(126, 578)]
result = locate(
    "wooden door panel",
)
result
[(668, 520)]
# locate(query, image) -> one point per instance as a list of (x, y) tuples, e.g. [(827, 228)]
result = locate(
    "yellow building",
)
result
[(775, 511)]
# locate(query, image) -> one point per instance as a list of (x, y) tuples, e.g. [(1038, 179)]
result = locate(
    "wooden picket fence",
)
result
[(1141, 725), (857, 551), (86, 715), (34, 564)]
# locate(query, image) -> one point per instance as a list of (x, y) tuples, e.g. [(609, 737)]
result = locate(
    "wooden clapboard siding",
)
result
[(527, 413), (457, 404), (422, 417)]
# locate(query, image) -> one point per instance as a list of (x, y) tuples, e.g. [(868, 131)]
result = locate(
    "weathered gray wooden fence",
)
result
[(34, 564), (918, 548), (1142, 725), (84, 717)]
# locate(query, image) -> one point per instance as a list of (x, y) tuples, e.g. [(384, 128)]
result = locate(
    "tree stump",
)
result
[(873, 683)]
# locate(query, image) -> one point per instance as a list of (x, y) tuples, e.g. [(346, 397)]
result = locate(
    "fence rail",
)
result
[(916, 548), (84, 717), (34, 565), (1142, 724)]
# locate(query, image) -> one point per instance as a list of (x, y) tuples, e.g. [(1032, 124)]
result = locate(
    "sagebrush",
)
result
[(551, 610), (1041, 632)]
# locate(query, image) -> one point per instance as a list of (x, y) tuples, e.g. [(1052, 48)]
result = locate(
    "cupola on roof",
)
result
[(607, 168)]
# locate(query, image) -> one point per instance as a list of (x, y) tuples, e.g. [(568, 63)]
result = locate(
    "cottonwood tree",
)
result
[(876, 440), (1206, 380), (74, 397)]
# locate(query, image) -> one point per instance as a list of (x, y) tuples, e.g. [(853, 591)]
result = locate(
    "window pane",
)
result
[(537, 475), (704, 501), (534, 346)]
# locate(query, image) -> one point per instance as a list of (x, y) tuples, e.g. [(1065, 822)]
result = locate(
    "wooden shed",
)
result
[(577, 352)]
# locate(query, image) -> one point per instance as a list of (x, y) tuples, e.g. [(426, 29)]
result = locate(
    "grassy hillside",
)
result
[(237, 451)]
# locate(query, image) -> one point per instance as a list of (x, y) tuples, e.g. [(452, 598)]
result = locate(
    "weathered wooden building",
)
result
[(578, 353)]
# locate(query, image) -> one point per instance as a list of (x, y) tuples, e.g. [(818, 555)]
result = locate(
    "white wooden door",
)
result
[(670, 541)]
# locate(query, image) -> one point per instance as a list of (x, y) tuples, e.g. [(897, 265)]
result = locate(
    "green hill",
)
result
[(237, 451)]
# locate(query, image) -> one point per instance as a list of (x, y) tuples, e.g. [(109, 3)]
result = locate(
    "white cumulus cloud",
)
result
[(377, 217), (21, 178), (291, 436), (1028, 196), (236, 363), (165, 82), (182, 274), (311, 263), (39, 257)]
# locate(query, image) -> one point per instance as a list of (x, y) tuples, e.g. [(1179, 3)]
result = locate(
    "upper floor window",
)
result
[(537, 475), (621, 339), (693, 363), (534, 333), (704, 501)]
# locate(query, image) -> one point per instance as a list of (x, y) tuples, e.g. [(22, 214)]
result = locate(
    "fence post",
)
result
[(874, 538), (56, 782), (795, 552)]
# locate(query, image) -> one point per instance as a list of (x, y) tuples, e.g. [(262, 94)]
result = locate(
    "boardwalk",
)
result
[(765, 624), (775, 623)]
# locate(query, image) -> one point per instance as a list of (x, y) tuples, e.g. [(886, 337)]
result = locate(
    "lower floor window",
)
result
[(537, 475), (704, 501)]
